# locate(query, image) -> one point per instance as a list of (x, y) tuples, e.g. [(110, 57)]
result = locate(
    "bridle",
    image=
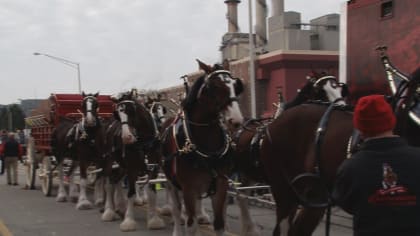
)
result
[(230, 78), (123, 104)]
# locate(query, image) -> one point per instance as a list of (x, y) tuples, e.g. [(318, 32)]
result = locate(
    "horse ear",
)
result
[(96, 94), (83, 94), (203, 66)]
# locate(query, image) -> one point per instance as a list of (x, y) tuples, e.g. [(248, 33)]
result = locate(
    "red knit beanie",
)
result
[(373, 115)]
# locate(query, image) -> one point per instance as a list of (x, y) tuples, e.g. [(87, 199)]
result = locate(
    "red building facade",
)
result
[(281, 70), (370, 23)]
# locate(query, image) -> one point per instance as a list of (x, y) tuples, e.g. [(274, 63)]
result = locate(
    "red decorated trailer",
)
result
[(41, 127)]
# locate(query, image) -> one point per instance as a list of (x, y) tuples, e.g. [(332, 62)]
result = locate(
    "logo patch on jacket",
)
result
[(390, 193)]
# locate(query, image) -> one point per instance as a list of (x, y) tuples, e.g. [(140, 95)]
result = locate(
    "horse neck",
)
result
[(144, 122), (203, 128)]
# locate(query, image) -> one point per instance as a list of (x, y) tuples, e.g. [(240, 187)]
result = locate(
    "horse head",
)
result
[(215, 94), (90, 107), (326, 87), (157, 110), (128, 111)]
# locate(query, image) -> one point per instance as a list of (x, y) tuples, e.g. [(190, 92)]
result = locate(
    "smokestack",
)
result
[(232, 15), (278, 7), (261, 28)]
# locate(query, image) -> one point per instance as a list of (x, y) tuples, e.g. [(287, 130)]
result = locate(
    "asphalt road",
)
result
[(30, 213)]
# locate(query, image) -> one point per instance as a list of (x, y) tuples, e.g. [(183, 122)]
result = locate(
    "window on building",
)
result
[(387, 9), (332, 27)]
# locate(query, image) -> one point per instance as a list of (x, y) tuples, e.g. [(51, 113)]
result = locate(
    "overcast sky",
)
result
[(119, 44)]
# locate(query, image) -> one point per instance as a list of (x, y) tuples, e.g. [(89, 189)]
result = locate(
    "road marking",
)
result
[(4, 231)]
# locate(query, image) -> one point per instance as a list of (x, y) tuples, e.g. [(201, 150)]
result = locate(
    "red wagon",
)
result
[(39, 155)]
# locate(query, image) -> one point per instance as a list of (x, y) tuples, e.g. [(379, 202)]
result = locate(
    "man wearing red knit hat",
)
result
[(380, 184)]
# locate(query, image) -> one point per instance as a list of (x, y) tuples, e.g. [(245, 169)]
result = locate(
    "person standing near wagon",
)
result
[(12, 152), (379, 185)]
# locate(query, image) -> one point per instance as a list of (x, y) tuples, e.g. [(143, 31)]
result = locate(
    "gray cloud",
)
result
[(118, 43)]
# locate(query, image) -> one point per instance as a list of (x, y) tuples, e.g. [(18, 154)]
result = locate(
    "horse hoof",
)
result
[(165, 210), (61, 198), (109, 215), (99, 202), (84, 205), (128, 225), (139, 201), (203, 219), (155, 223)]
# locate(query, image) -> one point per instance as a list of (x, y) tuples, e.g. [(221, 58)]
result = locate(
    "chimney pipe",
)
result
[(232, 15), (278, 7), (261, 28)]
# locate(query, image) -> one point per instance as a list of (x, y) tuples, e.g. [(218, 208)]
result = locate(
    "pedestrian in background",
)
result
[(379, 185), (12, 152)]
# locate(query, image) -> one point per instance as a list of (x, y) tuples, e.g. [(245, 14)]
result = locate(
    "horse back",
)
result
[(289, 147), (59, 135)]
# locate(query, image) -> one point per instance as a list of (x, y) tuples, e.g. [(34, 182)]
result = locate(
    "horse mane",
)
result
[(191, 98), (301, 96)]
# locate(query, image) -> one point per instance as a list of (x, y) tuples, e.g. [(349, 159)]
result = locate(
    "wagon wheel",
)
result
[(31, 164), (46, 176), (91, 175)]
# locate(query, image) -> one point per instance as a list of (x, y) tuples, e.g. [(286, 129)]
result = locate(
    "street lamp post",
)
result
[(72, 64), (251, 62)]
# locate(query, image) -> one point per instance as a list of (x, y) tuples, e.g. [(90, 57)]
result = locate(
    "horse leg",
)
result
[(129, 223), (99, 191), (166, 209), (249, 228), (219, 205), (62, 193), (153, 219), (109, 212), (141, 198), (306, 221), (73, 190), (83, 202), (202, 216), (176, 209), (190, 202), (120, 198), (284, 208)]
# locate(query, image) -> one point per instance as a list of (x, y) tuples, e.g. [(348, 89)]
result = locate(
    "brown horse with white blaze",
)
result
[(197, 147)]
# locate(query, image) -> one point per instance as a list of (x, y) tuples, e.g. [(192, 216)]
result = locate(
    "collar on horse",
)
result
[(189, 145)]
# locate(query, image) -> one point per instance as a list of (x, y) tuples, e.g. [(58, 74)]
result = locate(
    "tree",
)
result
[(12, 117)]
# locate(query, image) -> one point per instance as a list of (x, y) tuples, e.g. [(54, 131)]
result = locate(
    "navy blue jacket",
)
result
[(380, 187), (11, 148)]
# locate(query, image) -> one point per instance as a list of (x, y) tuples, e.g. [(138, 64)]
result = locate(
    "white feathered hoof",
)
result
[(155, 223), (99, 202), (84, 205), (139, 201), (61, 198), (109, 215), (128, 225), (203, 219), (166, 210)]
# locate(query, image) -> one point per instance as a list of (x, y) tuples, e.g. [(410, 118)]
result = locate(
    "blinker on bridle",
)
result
[(123, 103), (217, 72), (89, 97)]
